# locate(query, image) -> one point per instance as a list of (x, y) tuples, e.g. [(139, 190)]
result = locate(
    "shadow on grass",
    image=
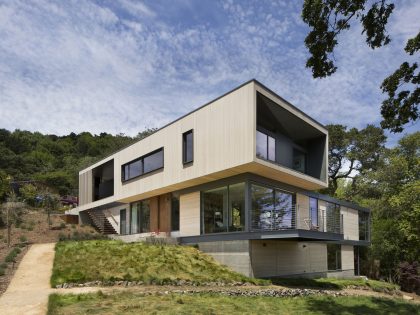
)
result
[(362, 306), (307, 283)]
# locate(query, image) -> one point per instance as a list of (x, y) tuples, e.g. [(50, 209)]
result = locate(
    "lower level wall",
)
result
[(234, 254), (273, 258), (277, 258)]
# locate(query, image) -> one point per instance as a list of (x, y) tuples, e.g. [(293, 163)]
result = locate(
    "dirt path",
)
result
[(29, 289)]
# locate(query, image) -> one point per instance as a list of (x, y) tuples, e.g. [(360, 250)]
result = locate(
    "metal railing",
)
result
[(295, 217)]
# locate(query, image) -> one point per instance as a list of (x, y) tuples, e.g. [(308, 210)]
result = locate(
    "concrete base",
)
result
[(234, 254), (342, 274)]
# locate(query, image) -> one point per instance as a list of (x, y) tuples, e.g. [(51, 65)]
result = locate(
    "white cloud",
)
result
[(77, 66)]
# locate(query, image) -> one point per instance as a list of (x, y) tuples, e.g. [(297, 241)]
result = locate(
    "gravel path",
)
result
[(29, 289)]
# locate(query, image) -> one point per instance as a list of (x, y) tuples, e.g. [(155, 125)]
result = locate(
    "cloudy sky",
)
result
[(121, 66)]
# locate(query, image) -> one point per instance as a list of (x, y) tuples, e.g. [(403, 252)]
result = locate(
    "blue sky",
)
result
[(120, 66)]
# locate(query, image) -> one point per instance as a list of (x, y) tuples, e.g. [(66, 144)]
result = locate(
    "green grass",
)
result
[(136, 303), (12, 255), (105, 260), (338, 284)]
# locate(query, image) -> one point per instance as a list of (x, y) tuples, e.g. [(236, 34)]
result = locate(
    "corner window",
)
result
[(334, 256), (143, 165), (266, 146), (187, 147), (363, 226)]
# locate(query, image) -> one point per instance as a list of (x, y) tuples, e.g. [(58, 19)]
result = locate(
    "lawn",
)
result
[(106, 260), (336, 284), (135, 303)]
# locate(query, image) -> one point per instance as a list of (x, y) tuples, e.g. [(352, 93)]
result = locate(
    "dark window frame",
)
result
[(267, 144), (123, 228), (142, 173), (336, 252), (184, 147)]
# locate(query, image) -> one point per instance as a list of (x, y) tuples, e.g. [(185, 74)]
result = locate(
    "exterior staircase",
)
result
[(101, 222)]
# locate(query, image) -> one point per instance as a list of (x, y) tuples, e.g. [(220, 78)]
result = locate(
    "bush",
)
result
[(23, 238), (3, 265), (2, 271), (62, 225), (409, 276), (12, 255)]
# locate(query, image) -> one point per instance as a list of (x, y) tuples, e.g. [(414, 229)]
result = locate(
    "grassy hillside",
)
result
[(106, 260), (135, 303)]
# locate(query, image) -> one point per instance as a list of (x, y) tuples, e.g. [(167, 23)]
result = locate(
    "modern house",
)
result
[(236, 177)]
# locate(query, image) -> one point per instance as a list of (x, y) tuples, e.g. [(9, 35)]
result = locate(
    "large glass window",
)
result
[(266, 146), (272, 209), (215, 210), (333, 218), (224, 209), (143, 165), (334, 256), (145, 217), (237, 207), (363, 226), (123, 222), (153, 161), (187, 147), (139, 217), (134, 219), (313, 210)]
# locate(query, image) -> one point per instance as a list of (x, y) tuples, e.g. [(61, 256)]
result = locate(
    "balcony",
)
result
[(295, 217), (290, 141)]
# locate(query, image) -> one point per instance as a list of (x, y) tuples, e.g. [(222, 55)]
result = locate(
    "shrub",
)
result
[(2, 271), (12, 255), (23, 238), (62, 225), (409, 276), (3, 265)]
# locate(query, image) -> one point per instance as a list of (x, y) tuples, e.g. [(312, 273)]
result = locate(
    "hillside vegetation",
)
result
[(106, 260)]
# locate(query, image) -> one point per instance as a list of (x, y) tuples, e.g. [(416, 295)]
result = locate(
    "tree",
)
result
[(4, 184), (392, 191), (11, 214), (328, 18), (50, 202), (29, 193), (352, 153)]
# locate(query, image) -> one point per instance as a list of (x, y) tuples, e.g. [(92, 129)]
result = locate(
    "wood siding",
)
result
[(347, 257), (350, 223), (224, 145), (302, 202), (85, 188), (189, 214)]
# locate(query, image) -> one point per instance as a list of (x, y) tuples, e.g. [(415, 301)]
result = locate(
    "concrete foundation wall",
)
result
[(285, 258), (234, 254)]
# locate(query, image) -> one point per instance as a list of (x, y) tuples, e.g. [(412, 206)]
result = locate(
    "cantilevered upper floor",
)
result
[(247, 130)]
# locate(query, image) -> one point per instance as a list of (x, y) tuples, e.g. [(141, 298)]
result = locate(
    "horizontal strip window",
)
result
[(143, 165)]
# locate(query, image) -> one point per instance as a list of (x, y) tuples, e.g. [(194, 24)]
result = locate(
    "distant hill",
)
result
[(56, 160)]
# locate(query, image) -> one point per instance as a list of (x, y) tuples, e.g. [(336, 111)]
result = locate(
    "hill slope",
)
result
[(106, 260)]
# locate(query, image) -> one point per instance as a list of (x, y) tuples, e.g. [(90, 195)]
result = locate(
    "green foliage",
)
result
[(392, 191), (29, 192), (107, 260), (12, 255), (4, 184), (327, 19), (402, 107), (361, 150), (52, 160)]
